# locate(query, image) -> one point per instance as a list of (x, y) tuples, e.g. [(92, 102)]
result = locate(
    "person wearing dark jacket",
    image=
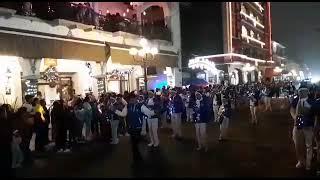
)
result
[(134, 116), (58, 115), (5, 141), (177, 108), (201, 117)]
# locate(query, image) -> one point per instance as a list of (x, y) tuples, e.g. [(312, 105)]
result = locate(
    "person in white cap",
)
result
[(153, 120), (302, 133)]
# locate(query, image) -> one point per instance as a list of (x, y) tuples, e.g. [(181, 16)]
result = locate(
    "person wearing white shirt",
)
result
[(152, 122), (120, 109)]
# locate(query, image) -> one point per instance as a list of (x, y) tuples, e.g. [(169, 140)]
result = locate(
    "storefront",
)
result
[(126, 74), (57, 66), (10, 80)]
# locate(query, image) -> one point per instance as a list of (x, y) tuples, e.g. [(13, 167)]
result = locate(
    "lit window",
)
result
[(244, 30), (243, 9), (251, 33)]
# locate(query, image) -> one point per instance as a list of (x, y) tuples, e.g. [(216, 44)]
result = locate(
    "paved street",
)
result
[(265, 150)]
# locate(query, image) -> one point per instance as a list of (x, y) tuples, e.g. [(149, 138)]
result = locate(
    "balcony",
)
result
[(81, 14)]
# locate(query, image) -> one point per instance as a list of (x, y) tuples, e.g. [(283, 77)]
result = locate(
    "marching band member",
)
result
[(224, 115), (141, 100), (189, 109), (216, 104), (253, 104), (177, 108), (201, 117), (134, 126), (303, 128), (153, 119)]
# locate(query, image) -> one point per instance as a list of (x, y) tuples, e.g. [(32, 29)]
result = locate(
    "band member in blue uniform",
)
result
[(177, 108), (135, 118), (153, 119), (201, 117)]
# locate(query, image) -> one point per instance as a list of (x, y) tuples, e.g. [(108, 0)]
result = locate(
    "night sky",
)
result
[(297, 26), (201, 30)]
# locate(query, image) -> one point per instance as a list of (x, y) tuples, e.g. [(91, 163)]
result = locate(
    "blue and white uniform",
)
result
[(201, 117)]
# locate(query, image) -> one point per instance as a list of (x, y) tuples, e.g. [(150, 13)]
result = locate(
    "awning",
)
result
[(122, 56), (57, 47)]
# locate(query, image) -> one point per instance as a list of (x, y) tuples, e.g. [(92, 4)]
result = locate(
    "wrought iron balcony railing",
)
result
[(83, 14)]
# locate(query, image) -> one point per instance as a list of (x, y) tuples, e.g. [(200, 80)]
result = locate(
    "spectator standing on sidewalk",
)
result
[(5, 142), (87, 118)]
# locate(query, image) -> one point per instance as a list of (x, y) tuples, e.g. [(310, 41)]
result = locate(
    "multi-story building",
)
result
[(280, 61), (246, 42), (61, 48)]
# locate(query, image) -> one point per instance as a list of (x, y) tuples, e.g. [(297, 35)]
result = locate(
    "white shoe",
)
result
[(156, 145), (150, 144), (299, 165), (60, 151), (117, 142), (67, 150)]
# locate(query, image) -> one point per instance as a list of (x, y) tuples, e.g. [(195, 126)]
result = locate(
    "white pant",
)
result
[(253, 110), (144, 126), (267, 103), (153, 131), (215, 111), (114, 130), (224, 127), (164, 119), (189, 112), (201, 134), (176, 124), (303, 139)]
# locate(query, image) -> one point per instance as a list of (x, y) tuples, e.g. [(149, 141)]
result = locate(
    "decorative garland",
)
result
[(119, 72), (51, 75)]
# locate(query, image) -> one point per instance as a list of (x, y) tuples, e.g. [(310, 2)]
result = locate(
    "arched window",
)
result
[(153, 15), (243, 8), (251, 33), (244, 30)]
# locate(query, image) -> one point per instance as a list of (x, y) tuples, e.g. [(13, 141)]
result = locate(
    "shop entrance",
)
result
[(63, 88)]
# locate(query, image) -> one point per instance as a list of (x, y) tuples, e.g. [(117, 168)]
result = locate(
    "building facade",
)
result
[(63, 48), (246, 42)]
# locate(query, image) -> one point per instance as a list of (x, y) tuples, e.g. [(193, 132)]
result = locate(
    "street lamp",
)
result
[(277, 69), (248, 68), (144, 53)]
